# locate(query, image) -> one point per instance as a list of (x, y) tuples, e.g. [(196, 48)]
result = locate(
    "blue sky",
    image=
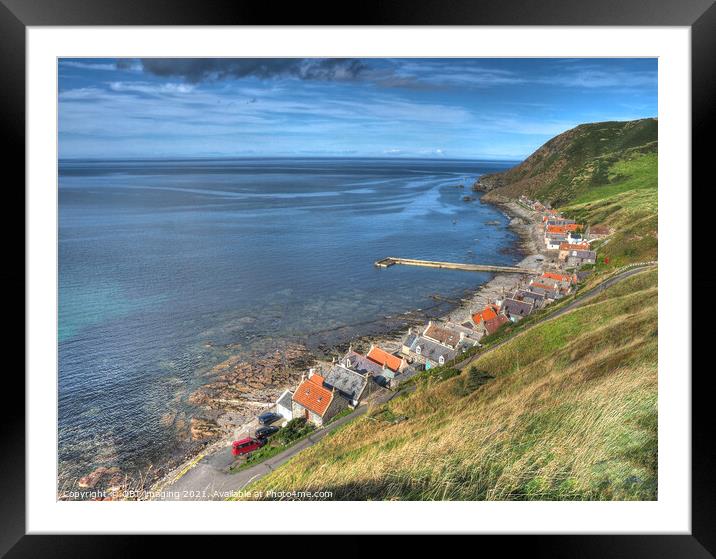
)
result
[(452, 108)]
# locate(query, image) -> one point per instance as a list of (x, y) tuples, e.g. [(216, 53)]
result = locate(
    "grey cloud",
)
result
[(196, 70)]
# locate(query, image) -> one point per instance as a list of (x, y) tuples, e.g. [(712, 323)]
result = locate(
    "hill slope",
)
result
[(574, 162), (570, 414), (604, 173), (566, 410)]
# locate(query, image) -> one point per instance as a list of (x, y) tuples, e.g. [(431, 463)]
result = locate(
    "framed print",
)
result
[(424, 271)]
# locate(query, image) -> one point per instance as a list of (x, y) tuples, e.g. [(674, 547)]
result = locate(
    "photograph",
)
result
[(357, 279)]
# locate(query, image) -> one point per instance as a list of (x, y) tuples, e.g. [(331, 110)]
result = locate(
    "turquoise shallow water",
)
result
[(163, 262)]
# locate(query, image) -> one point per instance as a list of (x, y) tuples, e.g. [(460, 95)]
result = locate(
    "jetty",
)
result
[(391, 261)]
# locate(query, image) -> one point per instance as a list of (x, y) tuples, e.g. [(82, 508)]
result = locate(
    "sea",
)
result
[(167, 267)]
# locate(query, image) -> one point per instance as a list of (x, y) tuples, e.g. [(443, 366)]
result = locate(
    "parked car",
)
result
[(246, 446), (266, 431), (267, 418)]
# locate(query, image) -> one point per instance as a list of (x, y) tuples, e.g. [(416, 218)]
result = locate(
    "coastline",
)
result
[(224, 419), (527, 231)]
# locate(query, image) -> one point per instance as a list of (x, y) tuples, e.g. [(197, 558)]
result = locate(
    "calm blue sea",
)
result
[(164, 263)]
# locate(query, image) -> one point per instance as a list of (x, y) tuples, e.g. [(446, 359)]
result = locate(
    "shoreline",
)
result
[(236, 423), (526, 229)]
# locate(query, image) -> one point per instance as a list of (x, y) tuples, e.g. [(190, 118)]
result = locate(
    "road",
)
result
[(210, 478)]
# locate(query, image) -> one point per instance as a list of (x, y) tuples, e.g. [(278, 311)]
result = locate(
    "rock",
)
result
[(92, 479), (203, 429)]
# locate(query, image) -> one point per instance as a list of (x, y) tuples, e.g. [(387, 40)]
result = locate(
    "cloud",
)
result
[(142, 87), (88, 65), (195, 70)]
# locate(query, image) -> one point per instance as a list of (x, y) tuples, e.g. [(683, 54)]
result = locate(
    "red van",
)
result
[(245, 446)]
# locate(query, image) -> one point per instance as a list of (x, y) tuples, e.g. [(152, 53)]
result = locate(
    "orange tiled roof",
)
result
[(488, 313), (572, 226), (557, 277), (312, 395), (384, 358), (574, 246), (556, 229)]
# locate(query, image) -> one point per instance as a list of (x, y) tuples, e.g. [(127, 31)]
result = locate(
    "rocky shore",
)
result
[(243, 386)]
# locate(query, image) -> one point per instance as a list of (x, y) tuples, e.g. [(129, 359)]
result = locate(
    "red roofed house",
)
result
[(385, 359), (315, 402), (565, 279), (488, 313), (557, 229), (491, 326)]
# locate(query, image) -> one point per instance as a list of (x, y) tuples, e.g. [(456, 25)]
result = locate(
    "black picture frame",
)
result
[(699, 15)]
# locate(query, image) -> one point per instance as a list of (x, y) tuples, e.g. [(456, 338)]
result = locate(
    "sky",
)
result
[(460, 108)]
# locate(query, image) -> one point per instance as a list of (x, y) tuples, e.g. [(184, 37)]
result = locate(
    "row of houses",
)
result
[(566, 235), (350, 380), (347, 382)]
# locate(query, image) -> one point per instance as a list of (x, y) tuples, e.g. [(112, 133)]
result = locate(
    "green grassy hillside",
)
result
[(576, 162), (564, 411), (599, 174)]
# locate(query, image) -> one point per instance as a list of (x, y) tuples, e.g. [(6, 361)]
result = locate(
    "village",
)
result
[(333, 389)]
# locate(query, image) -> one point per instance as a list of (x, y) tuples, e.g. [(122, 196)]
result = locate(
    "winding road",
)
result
[(210, 478)]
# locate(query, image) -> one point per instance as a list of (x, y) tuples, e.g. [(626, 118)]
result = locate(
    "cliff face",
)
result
[(570, 163)]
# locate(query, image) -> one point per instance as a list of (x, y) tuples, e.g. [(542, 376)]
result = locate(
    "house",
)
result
[(553, 240), (574, 238), (580, 257), (564, 249), (548, 291), (537, 299), (565, 279), (426, 351), (361, 364), (283, 405), (387, 360), (443, 335), (488, 313), (561, 229), (598, 231), (515, 310), (492, 325), (546, 283), (315, 402), (468, 336), (566, 224), (350, 384)]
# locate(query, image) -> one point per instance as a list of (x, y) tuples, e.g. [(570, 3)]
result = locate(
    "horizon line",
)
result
[(216, 157)]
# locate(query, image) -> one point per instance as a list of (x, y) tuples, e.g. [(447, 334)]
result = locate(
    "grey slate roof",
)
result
[(285, 399), (584, 254), (530, 296), (432, 350), (551, 293), (349, 383), (361, 364), (410, 339), (514, 307)]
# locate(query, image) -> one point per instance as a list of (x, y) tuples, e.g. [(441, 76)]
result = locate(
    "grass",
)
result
[(637, 172), (566, 410), (628, 204)]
